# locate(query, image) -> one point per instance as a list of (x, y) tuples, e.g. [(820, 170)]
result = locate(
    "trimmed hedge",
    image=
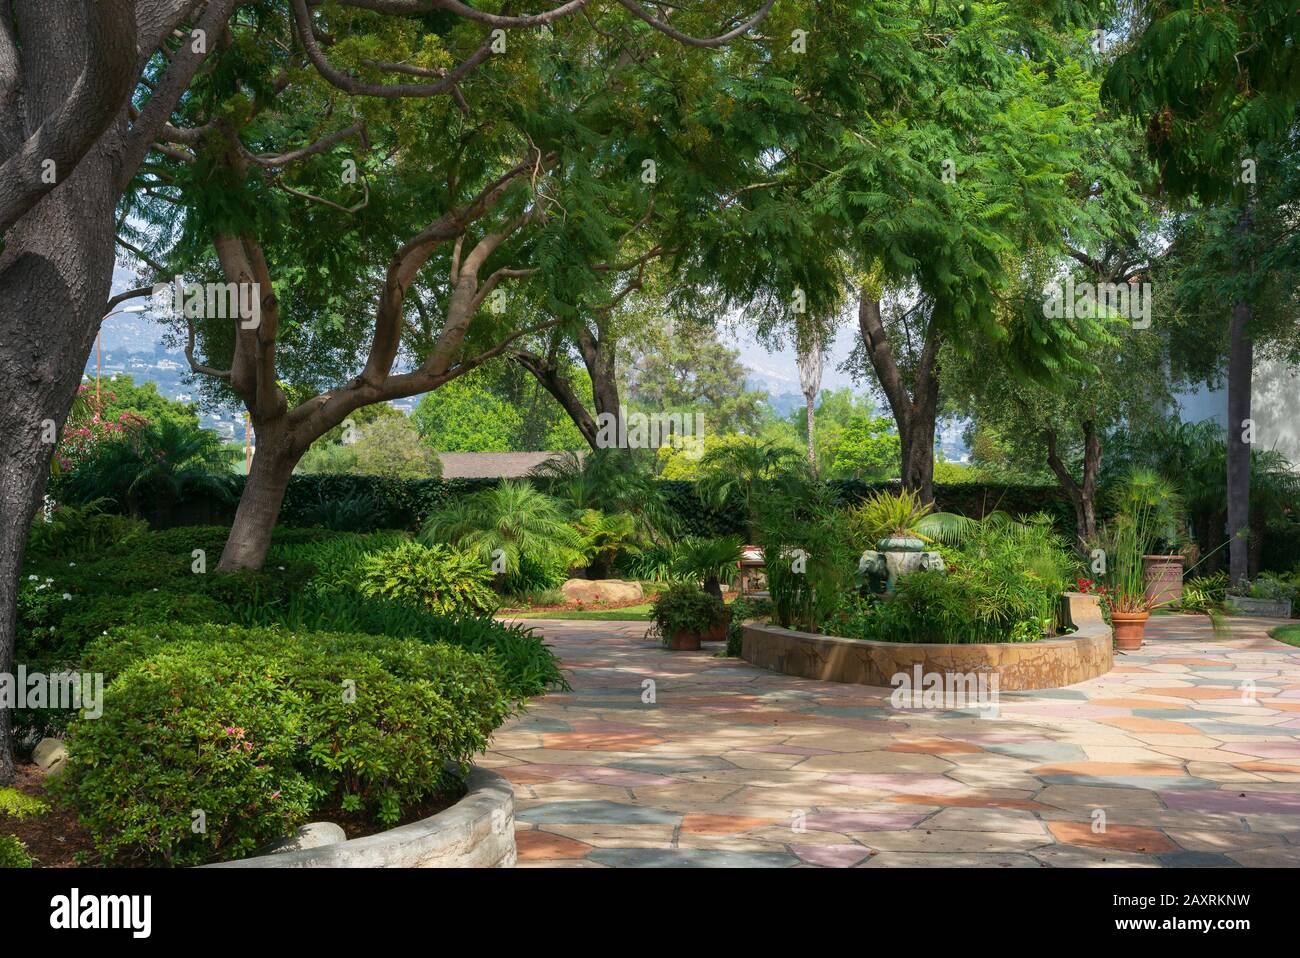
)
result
[(255, 730), (385, 503)]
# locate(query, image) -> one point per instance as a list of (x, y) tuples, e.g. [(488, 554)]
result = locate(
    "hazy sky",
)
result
[(782, 367)]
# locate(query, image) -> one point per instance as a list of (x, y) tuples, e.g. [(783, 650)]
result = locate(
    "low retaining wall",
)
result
[(1045, 664), (476, 832)]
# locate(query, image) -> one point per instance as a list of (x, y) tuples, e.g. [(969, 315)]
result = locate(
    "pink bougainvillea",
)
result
[(85, 430)]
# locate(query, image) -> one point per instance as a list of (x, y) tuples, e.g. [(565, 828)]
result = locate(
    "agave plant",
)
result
[(890, 515), (709, 561), (504, 524)]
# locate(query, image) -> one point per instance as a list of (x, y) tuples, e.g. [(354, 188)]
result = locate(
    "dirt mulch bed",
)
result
[(55, 839)]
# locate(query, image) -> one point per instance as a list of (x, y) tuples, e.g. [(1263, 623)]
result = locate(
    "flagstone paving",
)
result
[(1187, 754)]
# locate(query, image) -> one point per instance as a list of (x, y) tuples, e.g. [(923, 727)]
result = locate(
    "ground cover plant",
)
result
[(346, 678)]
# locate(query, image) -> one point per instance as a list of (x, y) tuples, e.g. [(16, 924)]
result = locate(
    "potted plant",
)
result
[(710, 562), (892, 522), (1266, 596), (685, 616), (1163, 568), (1144, 503)]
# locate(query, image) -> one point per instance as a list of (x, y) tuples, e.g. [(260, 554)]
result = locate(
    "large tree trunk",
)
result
[(914, 414), (917, 442), (1082, 495), (259, 505), (599, 352), (55, 275), (1240, 370)]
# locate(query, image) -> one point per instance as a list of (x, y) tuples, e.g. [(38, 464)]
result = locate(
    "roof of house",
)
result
[(491, 465)]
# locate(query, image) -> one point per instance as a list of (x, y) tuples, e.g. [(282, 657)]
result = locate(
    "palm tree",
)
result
[(505, 524), (810, 381), (604, 536), (610, 481), (161, 462), (710, 561), (738, 473)]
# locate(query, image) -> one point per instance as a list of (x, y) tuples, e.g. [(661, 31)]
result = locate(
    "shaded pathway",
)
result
[(1186, 754)]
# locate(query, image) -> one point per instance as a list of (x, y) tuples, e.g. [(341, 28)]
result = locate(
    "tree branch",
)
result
[(269, 161), (350, 84), (721, 40)]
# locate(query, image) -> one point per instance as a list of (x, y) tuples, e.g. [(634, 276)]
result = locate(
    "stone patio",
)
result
[(1187, 754)]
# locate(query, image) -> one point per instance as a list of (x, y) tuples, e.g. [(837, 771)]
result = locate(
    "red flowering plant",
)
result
[(86, 430), (1089, 587)]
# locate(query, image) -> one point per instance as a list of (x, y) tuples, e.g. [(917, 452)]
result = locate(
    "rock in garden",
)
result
[(311, 835), (588, 591), (50, 754)]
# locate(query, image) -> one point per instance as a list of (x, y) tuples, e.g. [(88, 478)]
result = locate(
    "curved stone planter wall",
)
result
[(476, 832), (1048, 663)]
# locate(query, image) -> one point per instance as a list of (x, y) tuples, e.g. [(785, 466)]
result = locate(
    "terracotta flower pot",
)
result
[(684, 641), (1129, 627), (1164, 579), (717, 633)]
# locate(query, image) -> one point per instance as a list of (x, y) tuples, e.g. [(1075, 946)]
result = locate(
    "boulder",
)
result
[(50, 755), (612, 591), (311, 835)]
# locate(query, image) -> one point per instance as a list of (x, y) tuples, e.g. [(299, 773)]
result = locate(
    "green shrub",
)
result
[(354, 514), (1274, 588), (384, 718), (437, 577), (210, 730), (687, 608), (535, 575), (528, 666), (259, 729), (92, 615), (272, 583), (1003, 583), (336, 561), (742, 609), (13, 853), (654, 563), (14, 804), (81, 530), (809, 557)]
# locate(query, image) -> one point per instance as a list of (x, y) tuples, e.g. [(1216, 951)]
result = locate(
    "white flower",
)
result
[(32, 578), (71, 564), (67, 597)]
